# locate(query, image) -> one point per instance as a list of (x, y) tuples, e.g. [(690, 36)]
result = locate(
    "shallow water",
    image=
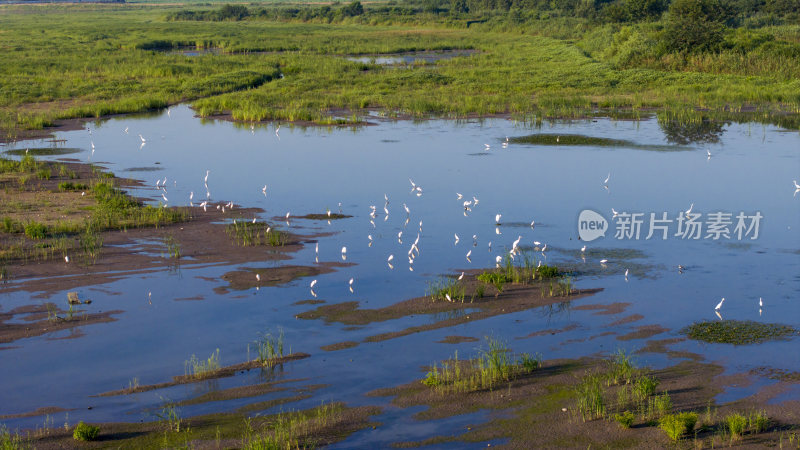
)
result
[(408, 58), (310, 170)]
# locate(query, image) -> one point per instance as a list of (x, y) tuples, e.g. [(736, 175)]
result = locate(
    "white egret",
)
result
[(316, 248), (607, 178), (258, 277), (583, 249), (143, 139), (447, 297), (469, 253), (126, 130), (544, 248), (614, 212), (461, 196), (205, 180), (719, 305), (66, 259), (457, 239), (533, 224), (344, 250), (689, 211), (796, 186), (603, 261), (460, 277), (313, 283), (708, 152), (351, 284), (408, 211), (626, 274), (391, 257), (537, 243), (760, 303), (497, 219)]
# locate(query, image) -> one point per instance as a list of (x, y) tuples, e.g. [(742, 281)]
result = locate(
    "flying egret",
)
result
[(461, 196), (497, 219), (457, 239), (719, 305)]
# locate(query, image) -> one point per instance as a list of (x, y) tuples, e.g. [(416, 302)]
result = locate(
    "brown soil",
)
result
[(39, 320), (539, 410), (339, 346), (214, 431), (223, 372), (512, 299), (457, 340), (37, 412), (272, 276)]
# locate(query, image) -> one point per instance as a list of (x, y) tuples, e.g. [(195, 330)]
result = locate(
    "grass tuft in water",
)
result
[(199, 369), (249, 234), (446, 289), (738, 332)]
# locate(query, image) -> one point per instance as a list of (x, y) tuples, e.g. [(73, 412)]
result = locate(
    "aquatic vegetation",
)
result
[(625, 419), (678, 425), (173, 246), (525, 271), (269, 348), (35, 230), (70, 186), (10, 441), (758, 421), (736, 424), (589, 391), (620, 368), (199, 369), (492, 366), (738, 332), (85, 432), (169, 415), (259, 233), (291, 429), (446, 289)]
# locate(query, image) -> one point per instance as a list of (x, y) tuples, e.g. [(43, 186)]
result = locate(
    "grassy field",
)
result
[(68, 61)]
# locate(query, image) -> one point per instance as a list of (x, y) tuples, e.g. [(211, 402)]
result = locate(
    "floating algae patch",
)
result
[(44, 151), (591, 141), (738, 332)]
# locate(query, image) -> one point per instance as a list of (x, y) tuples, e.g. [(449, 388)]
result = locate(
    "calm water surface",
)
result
[(311, 170)]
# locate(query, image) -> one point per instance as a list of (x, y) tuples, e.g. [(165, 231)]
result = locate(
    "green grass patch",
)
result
[(249, 234), (678, 425), (738, 332), (85, 432)]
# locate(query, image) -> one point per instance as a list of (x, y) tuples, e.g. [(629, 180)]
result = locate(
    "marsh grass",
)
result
[(590, 393), (738, 332), (169, 415), (291, 430), (9, 441), (523, 270), (736, 424), (443, 287), (173, 247), (198, 369), (268, 348), (678, 425), (248, 234), (492, 366)]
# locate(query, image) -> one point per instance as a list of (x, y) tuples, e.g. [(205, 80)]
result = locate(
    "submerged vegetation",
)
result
[(738, 332), (533, 60), (256, 233)]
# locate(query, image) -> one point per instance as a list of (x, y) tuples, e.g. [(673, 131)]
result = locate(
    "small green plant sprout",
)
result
[(269, 348), (589, 391), (196, 368), (170, 416), (85, 432), (173, 247), (625, 419), (620, 368), (678, 425), (758, 421), (736, 424)]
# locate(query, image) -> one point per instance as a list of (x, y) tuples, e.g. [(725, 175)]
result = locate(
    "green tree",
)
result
[(353, 9), (695, 25)]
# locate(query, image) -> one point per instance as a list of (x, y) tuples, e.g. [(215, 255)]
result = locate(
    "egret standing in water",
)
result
[(719, 305), (497, 219)]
